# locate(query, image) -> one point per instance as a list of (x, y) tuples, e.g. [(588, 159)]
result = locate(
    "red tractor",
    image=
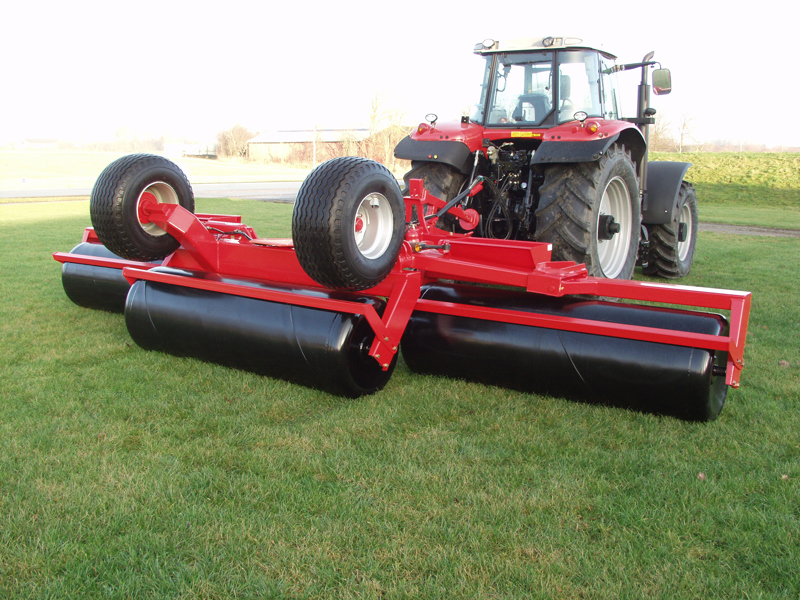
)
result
[(557, 162)]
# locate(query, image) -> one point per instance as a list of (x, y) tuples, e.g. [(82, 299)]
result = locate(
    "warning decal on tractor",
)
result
[(525, 134)]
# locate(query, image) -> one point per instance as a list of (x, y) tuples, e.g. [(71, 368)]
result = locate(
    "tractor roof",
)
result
[(491, 46)]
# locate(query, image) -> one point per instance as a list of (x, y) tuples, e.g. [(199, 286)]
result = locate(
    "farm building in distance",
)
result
[(281, 146)]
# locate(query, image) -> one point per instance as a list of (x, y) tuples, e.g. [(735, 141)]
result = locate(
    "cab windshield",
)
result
[(521, 90), (579, 84), (529, 89)]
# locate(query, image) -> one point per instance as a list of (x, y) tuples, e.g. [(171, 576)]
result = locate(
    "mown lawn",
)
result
[(133, 474)]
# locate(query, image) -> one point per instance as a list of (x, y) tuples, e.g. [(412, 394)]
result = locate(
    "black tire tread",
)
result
[(317, 222), (108, 195), (662, 253), (441, 180), (564, 213)]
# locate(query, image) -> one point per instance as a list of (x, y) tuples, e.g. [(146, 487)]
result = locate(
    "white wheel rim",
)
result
[(373, 225), (684, 246), (613, 254), (164, 194)]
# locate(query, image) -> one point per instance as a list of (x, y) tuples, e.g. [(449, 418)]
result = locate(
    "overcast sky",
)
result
[(83, 69)]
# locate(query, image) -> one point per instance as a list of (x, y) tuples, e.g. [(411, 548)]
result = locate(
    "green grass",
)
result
[(775, 218), (761, 189), (133, 474)]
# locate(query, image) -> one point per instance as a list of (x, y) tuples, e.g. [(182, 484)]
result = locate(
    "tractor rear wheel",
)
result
[(441, 180), (590, 213), (671, 250), (348, 223), (114, 205)]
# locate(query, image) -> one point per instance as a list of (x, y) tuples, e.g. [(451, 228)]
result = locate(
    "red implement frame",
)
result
[(221, 245)]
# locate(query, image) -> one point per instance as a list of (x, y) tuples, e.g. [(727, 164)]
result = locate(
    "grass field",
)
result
[(745, 189), (133, 474), (53, 170)]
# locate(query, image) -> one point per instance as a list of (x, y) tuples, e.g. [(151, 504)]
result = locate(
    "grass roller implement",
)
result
[(367, 275)]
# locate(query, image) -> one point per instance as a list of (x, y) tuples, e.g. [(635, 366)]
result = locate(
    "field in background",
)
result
[(50, 170), (767, 180), (134, 474)]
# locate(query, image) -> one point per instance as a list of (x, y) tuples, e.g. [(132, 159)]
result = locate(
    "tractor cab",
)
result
[(543, 83)]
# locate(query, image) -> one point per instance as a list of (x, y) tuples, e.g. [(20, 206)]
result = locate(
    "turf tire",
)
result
[(114, 205), (332, 200)]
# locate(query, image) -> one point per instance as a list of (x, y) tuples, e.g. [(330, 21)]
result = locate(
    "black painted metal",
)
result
[(89, 286), (316, 348), (640, 375), (454, 153), (663, 185)]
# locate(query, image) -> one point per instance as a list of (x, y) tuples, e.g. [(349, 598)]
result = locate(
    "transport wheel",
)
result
[(441, 180), (591, 213), (115, 201), (672, 245), (348, 223)]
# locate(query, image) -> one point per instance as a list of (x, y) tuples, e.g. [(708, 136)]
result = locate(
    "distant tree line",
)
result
[(678, 136), (232, 143)]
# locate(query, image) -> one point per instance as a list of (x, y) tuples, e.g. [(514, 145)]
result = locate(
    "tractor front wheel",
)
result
[(590, 213), (115, 199), (348, 223), (671, 250)]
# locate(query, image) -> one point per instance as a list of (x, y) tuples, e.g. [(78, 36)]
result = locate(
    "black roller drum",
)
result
[(102, 288), (641, 375), (317, 348)]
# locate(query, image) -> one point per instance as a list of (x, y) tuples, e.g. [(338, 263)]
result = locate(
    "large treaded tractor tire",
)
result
[(348, 223), (580, 206), (441, 180), (114, 205), (669, 254)]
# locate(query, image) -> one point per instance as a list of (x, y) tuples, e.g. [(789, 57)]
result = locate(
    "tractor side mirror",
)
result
[(662, 82)]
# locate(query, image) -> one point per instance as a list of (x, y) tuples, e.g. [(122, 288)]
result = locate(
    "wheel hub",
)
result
[(373, 225), (614, 228), (607, 227), (684, 232), (159, 192)]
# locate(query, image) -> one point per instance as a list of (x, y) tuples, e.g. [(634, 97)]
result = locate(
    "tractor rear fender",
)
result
[(451, 152), (663, 185), (568, 151)]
